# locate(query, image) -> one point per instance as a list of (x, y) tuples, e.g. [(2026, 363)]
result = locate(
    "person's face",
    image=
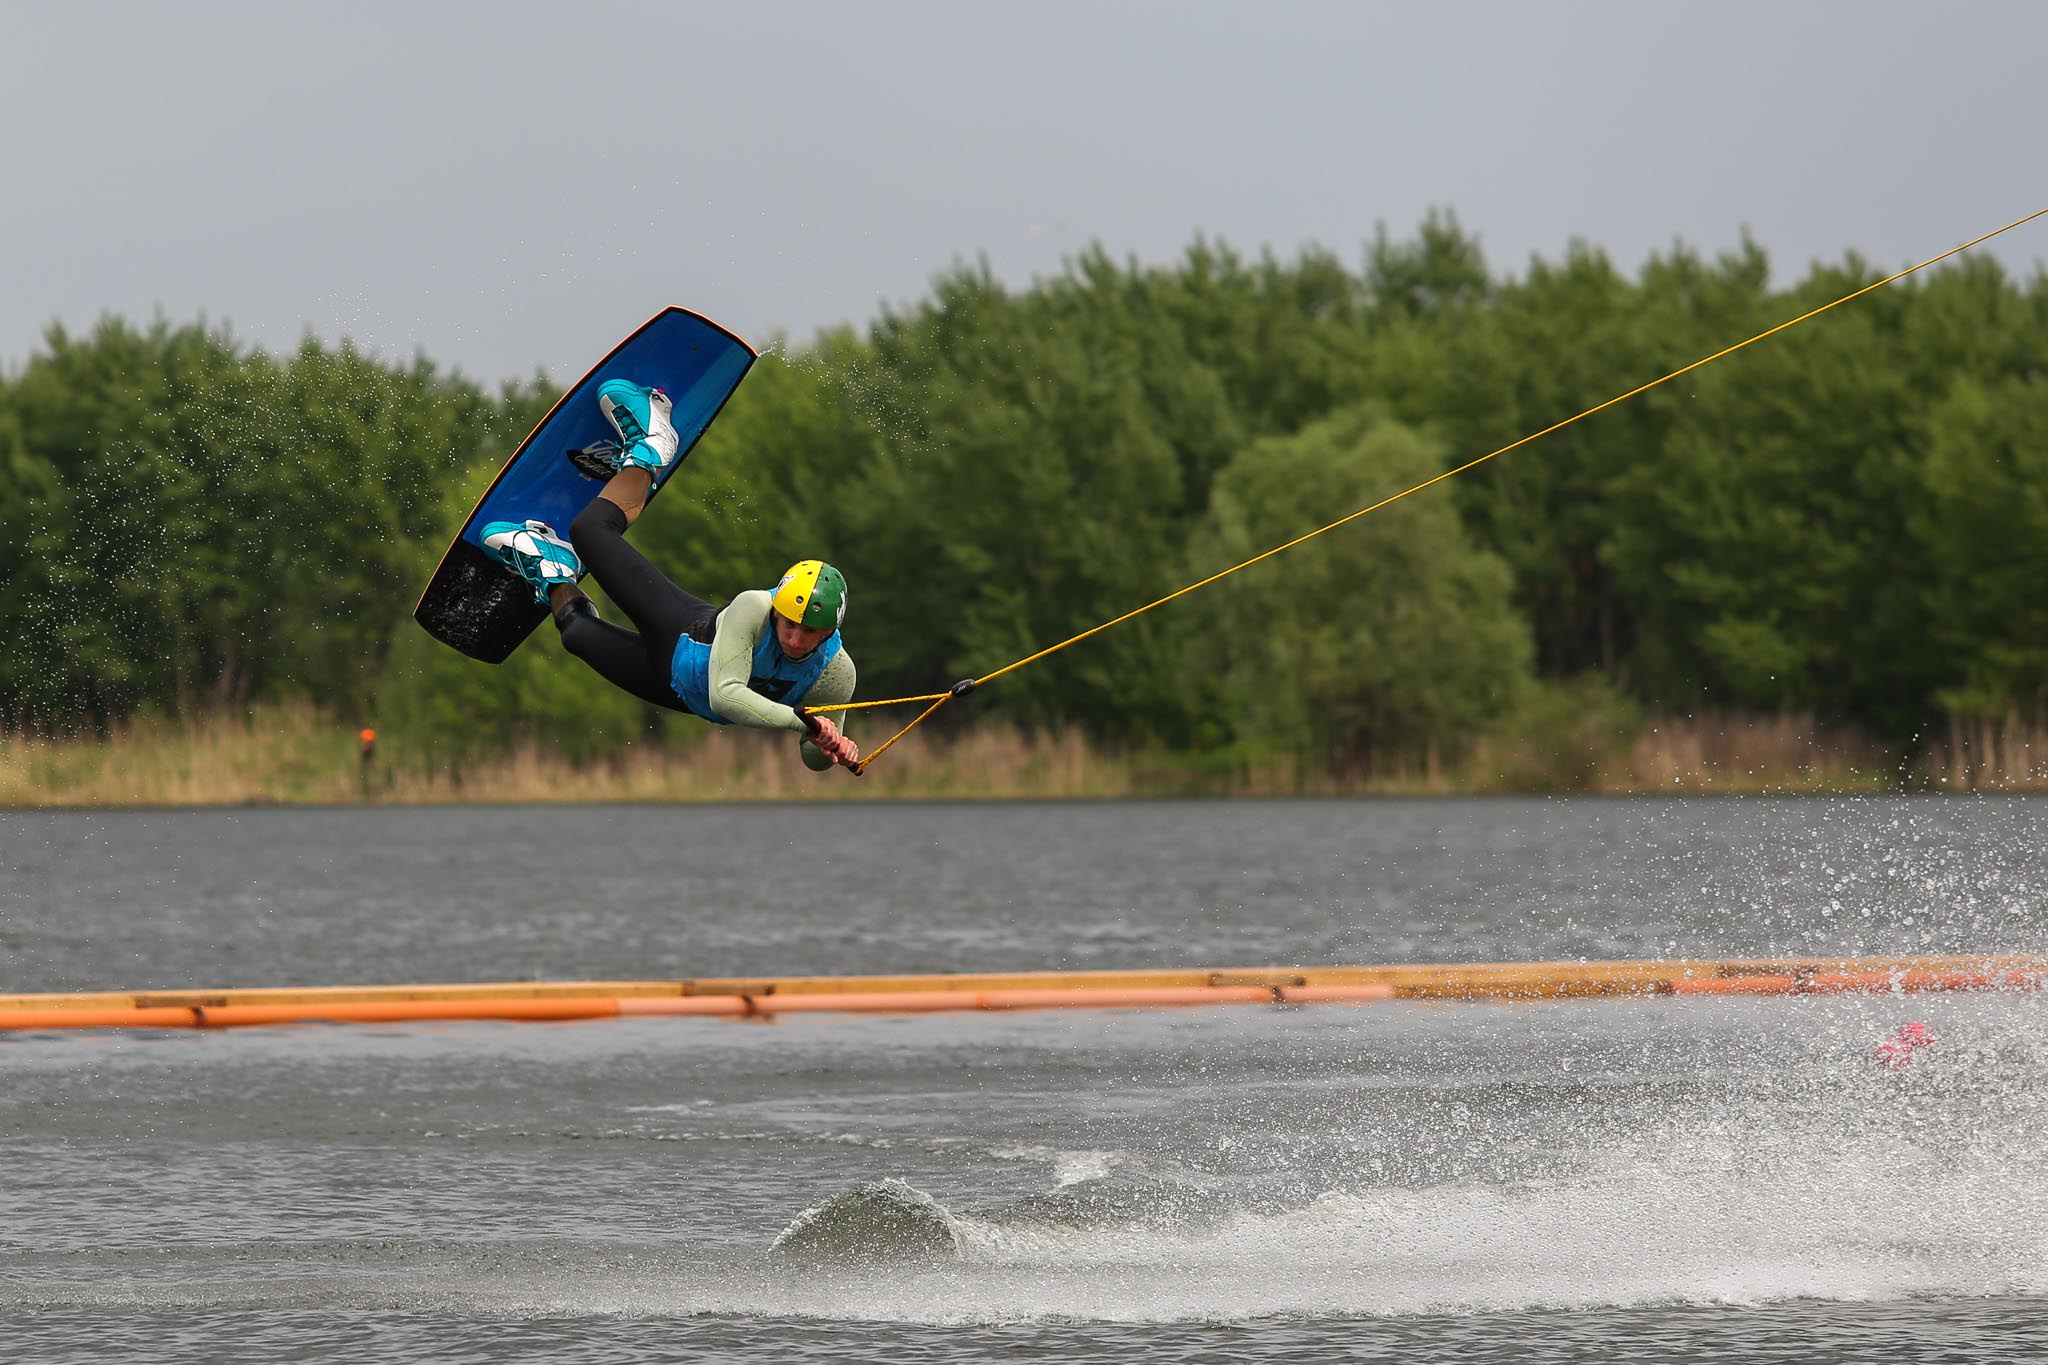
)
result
[(797, 640)]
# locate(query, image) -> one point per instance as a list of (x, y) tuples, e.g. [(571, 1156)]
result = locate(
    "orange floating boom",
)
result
[(731, 997)]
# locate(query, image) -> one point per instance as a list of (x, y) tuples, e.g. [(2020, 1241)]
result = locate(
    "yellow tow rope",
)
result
[(963, 687)]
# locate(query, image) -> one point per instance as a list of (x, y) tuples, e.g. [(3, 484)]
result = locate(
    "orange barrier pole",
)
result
[(1910, 981), (402, 1011), (704, 1006), (1905, 980), (741, 997), (1107, 998), (1737, 985), (931, 1002), (1333, 995), (98, 1017)]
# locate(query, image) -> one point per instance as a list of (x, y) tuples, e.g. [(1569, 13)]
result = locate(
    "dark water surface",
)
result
[(1658, 1180)]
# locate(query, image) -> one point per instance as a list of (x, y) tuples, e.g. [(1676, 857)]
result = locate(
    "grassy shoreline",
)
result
[(293, 755)]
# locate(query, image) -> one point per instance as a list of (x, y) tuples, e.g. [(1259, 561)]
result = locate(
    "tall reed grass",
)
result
[(2009, 754), (1787, 752), (293, 754)]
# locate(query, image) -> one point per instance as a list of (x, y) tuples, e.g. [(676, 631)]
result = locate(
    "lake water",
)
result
[(1720, 1180)]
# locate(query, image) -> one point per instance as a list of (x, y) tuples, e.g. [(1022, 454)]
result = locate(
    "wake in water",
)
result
[(1782, 1167), (1419, 1161)]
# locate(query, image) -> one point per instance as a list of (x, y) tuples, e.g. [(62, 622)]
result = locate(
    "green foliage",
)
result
[(434, 700), (1560, 732), (764, 482), (1025, 495), (1985, 520), (1849, 518), (1441, 273), (35, 520), (1390, 638), (232, 526)]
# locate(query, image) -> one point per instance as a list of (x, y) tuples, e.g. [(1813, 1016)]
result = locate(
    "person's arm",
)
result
[(834, 685), (732, 663)]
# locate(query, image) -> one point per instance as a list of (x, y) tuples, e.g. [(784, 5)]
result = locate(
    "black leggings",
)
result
[(664, 612)]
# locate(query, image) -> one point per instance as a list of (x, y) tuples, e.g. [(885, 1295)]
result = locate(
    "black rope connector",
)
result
[(962, 688)]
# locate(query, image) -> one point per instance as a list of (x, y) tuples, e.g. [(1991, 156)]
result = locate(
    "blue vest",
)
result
[(775, 675)]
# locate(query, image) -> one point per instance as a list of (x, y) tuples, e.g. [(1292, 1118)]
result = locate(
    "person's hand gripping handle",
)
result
[(822, 732)]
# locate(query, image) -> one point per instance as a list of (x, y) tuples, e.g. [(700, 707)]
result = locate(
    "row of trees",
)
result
[(1850, 517)]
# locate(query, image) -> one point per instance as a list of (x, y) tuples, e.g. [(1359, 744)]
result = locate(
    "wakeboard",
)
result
[(477, 605)]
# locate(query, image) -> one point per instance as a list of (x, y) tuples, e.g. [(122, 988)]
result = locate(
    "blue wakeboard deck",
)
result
[(477, 605)]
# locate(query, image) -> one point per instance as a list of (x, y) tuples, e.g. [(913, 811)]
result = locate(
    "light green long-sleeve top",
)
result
[(738, 633)]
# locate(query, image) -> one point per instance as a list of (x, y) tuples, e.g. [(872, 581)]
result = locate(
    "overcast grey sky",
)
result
[(515, 185)]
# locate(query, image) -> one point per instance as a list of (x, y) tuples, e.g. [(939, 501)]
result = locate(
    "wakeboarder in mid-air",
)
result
[(756, 662)]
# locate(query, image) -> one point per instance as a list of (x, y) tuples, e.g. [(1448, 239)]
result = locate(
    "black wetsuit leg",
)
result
[(664, 612)]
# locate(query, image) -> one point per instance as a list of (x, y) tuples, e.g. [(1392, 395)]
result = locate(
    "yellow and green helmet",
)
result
[(812, 593)]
